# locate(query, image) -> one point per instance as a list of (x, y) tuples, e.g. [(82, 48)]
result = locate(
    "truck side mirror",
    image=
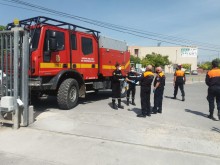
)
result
[(53, 44)]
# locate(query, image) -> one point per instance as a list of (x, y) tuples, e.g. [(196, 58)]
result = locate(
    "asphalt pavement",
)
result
[(94, 134)]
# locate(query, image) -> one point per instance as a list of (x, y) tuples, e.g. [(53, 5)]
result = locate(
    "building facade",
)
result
[(176, 55)]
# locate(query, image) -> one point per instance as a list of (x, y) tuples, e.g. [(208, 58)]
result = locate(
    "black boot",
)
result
[(174, 97), (127, 102), (119, 104), (159, 110), (114, 105), (211, 116), (154, 110), (183, 98), (133, 103), (149, 112), (141, 115)]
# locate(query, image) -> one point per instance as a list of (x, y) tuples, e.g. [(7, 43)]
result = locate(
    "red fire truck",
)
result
[(67, 60)]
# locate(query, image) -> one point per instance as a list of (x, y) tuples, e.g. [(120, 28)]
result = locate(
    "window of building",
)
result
[(136, 52), (87, 46)]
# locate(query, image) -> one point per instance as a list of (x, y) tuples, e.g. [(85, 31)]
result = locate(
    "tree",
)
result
[(186, 66), (2, 27), (135, 60), (206, 66), (155, 60)]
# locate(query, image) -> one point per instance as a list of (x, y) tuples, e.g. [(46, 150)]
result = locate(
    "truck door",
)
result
[(54, 60), (88, 56), (76, 58)]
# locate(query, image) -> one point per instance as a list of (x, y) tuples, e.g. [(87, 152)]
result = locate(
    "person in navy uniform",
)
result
[(159, 83), (213, 82), (145, 83), (117, 78), (131, 79)]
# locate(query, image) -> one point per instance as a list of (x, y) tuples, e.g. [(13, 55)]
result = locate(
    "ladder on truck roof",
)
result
[(41, 20)]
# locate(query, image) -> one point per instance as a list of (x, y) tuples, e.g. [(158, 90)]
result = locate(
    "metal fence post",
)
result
[(16, 56), (24, 80), (2, 59)]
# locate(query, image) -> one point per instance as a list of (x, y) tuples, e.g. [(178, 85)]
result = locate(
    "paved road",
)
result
[(93, 133)]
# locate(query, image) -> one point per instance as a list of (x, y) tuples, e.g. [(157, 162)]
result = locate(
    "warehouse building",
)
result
[(176, 55)]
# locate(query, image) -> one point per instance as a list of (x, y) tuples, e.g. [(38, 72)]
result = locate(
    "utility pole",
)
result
[(176, 57)]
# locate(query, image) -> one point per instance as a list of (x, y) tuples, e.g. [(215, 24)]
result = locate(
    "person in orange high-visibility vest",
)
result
[(145, 83), (159, 83), (213, 82), (178, 82)]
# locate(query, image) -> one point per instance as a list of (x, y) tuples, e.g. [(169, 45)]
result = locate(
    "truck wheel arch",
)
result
[(65, 74)]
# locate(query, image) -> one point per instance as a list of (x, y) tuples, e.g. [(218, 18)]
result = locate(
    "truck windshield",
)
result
[(34, 40)]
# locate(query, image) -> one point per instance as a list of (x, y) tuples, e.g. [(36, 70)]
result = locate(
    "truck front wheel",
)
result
[(68, 94)]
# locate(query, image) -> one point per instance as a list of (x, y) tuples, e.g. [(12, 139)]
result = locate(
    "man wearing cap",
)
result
[(213, 82), (178, 82), (117, 77), (145, 83), (159, 83)]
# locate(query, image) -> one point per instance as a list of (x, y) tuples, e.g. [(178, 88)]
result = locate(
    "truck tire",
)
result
[(68, 94)]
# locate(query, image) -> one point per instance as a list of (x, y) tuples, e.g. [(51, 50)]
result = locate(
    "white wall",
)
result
[(174, 54)]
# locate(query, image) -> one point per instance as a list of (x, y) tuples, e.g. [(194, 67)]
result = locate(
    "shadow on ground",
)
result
[(169, 97), (216, 129), (93, 97), (46, 103), (196, 113), (199, 113), (136, 110)]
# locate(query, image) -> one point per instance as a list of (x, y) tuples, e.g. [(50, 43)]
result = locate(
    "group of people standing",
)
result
[(145, 80)]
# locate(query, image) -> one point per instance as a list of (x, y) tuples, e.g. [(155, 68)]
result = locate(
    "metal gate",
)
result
[(14, 56)]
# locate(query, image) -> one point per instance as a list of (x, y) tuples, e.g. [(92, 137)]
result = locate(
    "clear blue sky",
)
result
[(189, 19)]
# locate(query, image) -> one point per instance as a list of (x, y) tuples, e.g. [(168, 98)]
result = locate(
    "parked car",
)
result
[(187, 72), (194, 72)]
